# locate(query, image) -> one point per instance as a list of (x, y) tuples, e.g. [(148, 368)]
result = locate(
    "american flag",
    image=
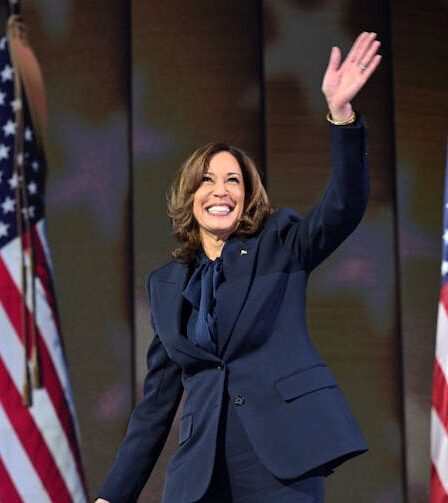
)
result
[(39, 441), (439, 411)]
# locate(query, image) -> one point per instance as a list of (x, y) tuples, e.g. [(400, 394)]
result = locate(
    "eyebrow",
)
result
[(227, 174)]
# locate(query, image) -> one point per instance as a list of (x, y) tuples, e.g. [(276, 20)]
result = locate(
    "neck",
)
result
[(212, 244)]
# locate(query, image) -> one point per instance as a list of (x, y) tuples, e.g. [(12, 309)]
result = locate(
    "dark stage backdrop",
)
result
[(134, 87)]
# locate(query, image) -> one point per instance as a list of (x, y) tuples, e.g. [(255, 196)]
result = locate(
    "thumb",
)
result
[(335, 60)]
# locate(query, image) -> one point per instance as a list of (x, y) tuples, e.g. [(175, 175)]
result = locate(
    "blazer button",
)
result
[(220, 366), (239, 400)]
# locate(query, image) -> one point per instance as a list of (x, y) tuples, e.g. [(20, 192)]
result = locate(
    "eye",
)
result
[(233, 179), (206, 179)]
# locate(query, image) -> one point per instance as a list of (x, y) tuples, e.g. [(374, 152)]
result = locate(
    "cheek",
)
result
[(198, 200), (196, 207)]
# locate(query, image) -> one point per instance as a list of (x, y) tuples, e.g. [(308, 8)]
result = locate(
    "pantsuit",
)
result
[(286, 416), (240, 477)]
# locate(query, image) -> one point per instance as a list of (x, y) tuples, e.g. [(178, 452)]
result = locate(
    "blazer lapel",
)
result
[(169, 304), (238, 266)]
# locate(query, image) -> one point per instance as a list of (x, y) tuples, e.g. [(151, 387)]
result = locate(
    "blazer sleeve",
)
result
[(313, 237), (148, 427)]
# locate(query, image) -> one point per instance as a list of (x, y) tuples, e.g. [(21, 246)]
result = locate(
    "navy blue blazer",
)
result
[(286, 398)]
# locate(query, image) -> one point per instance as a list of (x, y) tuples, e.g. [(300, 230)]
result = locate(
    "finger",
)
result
[(367, 58), (355, 47), (365, 49), (335, 59), (372, 67)]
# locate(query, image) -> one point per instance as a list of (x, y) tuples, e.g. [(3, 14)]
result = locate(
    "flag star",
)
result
[(2, 98), (16, 105), (4, 151), (6, 73), (28, 134), (14, 181), (8, 205), (3, 229), (444, 267), (3, 43), (35, 166), (9, 128), (445, 236), (32, 188)]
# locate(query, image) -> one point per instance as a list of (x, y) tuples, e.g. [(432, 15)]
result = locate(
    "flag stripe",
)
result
[(31, 439), (8, 492), (442, 332), (49, 375), (43, 271), (10, 254), (438, 494), (42, 411), (440, 398), (439, 449), (26, 480)]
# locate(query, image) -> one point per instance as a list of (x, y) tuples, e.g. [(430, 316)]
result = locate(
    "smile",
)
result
[(222, 209)]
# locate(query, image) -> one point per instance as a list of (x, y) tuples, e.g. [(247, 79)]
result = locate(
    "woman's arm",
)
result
[(148, 428), (331, 221)]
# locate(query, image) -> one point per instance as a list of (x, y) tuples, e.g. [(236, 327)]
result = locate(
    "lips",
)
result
[(219, 209)]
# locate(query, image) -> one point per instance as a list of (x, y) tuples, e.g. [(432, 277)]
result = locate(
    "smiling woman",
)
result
[(263, 419), (217, 192)]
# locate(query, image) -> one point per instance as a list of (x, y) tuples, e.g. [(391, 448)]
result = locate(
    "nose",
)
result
[(220, 189)]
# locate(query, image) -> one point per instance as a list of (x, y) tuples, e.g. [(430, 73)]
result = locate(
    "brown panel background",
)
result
[(420, 51), (134, 87)]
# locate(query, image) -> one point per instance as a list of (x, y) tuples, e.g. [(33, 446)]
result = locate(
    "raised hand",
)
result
[(342, 82)]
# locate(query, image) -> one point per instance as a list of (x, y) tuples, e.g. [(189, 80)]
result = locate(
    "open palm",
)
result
[(342, 82)]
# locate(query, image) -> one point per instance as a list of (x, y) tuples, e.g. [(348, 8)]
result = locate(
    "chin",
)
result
[(221, 229)]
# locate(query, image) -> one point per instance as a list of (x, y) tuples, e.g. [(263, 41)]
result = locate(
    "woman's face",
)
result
[(218, 203)]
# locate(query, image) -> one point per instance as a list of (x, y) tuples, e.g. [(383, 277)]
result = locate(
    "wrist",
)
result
[(341, 114), (350, 120)]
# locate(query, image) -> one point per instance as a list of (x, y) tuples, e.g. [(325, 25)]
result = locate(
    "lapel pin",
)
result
[(243, 252)]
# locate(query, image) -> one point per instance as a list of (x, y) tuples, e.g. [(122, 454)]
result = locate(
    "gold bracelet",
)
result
[(350, 120)]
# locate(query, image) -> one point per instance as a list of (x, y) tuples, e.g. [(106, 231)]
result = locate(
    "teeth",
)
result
[(219, 210)]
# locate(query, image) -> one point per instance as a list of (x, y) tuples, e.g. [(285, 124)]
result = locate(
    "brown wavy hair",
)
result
[(188, 179)]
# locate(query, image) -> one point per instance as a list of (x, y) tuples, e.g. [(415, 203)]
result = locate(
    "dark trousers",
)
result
[(239, 476)]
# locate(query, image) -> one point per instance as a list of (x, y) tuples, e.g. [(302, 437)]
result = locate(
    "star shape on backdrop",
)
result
[(356, 271), (288, 53), (94, 172)]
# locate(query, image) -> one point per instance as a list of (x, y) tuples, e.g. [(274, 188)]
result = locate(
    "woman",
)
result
[(263, 420)]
